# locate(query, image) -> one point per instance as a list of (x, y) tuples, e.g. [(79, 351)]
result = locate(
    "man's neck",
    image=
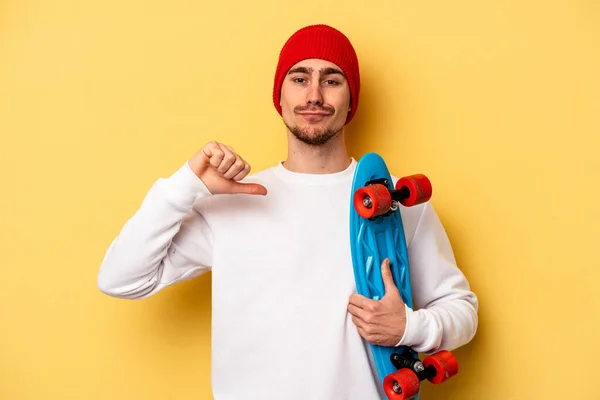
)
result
[(329, 158)]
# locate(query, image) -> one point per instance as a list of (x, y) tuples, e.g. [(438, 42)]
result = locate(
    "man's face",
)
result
[(315, 100)]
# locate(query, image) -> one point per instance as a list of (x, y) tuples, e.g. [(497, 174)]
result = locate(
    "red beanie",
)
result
[(324, 42)]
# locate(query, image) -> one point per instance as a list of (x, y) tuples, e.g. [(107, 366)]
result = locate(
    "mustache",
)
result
[(326, 109)]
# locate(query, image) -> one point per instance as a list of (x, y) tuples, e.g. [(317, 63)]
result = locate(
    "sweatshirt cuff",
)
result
[(412, 330), (188, 183)]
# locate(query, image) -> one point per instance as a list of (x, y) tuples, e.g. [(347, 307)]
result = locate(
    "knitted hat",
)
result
[(323, 42)]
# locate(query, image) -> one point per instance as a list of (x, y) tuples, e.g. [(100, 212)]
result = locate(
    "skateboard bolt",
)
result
[(367, 202), (419, 367), (396, 388)]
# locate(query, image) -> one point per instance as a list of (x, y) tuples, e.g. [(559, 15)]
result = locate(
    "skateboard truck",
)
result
[(405, 383), (375, 199)]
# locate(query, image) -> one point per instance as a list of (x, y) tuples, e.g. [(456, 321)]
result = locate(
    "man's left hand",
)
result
[(381, 322)]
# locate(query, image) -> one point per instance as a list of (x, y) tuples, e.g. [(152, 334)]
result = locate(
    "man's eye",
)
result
[(299, 80), (331, 82)]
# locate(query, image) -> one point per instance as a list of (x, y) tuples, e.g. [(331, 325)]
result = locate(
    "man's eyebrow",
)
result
[(302, 70), (331, 71), (322, 72)]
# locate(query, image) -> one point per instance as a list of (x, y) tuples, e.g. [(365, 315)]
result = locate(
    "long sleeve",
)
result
[(445, 315), (166, 241)]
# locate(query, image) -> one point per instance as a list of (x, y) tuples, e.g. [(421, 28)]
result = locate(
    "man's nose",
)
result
[(314, 95)]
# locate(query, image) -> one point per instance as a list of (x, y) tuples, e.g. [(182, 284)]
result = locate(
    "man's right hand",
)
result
[(221, 169)]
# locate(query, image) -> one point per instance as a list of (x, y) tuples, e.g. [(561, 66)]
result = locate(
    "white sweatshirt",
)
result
[(281, 278)]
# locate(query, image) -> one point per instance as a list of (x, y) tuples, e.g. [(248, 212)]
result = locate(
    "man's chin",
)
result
[(313, 137)]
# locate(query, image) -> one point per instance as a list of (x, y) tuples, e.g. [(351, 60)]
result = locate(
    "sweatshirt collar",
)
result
[(315, 179)]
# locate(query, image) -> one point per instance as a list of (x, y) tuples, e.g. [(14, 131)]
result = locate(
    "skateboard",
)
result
[(377, 233)]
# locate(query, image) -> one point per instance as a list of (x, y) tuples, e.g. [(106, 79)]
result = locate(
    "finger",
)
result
[(388, 279), (210, 148), (356, 311), (229, 158), (375, 339), (361, 332), (359, 323), (369, 337), (238, 164), (360, 301), (214, 153), (243, 173), (235, 169), (239, 169), (248, 188)]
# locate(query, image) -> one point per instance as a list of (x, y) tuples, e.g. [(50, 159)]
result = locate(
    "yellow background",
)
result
[(498, 102)]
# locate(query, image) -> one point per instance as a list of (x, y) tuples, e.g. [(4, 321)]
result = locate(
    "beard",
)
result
[(313, 136)]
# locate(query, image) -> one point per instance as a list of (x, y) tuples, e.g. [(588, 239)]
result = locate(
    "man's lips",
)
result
[(314, 114)]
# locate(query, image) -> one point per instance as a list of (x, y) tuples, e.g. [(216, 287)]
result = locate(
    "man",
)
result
[(287, 322)]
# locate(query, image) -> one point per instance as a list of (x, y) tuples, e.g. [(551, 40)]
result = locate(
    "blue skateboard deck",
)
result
[(372, 241)]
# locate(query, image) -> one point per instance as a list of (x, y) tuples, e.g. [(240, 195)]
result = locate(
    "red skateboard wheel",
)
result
[(445, 365), (372, 201), (419, 188), (401, 385)]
